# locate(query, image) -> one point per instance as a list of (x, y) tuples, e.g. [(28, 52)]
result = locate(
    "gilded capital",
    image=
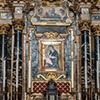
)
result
[(5, 29), (96, 30), (18, 24), (84, 25)]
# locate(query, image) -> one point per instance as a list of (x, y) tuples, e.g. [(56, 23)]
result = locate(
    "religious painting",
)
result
[(51, 55), (51, 13)]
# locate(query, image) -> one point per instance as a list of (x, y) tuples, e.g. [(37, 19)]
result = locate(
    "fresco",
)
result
[(51, 13)]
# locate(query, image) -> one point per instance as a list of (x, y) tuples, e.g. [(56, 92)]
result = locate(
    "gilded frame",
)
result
[(59, 47)]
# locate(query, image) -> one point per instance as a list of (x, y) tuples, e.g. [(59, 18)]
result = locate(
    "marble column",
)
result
[(18, 25)]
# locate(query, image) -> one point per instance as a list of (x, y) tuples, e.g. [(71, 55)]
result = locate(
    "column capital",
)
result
[(5, 29), (84, 25), (96, 30), (18, 24)]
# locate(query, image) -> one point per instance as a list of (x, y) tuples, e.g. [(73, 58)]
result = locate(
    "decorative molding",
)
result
[(51, 75), (63, 35), (95, 7), (41, 76), (51, 2), (51, 35), (18, 24), (38, 35)]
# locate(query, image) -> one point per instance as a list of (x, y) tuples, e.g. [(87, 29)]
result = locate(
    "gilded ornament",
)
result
[(5, 29), (51, 35), (41, 76), (39, 35), (51, 75), (18, 24), (96, 29), (51, 2), (63, 35), (84, 25)]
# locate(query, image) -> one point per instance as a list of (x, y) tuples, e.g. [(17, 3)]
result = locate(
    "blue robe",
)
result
[(55, 60)]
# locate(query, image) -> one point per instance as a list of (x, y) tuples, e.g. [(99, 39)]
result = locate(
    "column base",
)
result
[(29, 93)]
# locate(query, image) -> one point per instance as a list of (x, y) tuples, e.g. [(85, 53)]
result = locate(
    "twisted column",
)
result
[(18, 25), (5, 29), (86, 57)]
